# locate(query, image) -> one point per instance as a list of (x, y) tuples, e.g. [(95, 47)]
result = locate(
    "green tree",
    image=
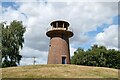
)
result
[(97, 56), (97, 53), (0, 45), (12, 42), (78, 58), (113, 58)]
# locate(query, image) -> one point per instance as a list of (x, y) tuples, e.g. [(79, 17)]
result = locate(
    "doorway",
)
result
[(63, 60)]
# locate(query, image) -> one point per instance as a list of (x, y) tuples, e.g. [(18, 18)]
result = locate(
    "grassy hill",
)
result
[(59, 71)]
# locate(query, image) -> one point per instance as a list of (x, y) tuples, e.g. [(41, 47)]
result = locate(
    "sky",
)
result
[(92, 23)]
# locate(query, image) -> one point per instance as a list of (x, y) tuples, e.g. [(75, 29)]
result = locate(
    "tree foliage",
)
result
[(0, 46), (97, 56), (12, 42)]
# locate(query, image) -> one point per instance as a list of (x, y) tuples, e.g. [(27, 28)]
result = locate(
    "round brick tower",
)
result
[(59, 34)]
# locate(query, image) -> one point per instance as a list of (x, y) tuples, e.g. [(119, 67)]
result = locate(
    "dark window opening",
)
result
[(60, 25), (63, 60)]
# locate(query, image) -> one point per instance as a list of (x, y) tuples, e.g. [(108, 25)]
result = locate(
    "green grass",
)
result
[(59, 71)]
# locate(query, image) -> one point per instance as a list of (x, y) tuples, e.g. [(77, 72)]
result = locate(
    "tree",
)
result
[(78, 58), (113, 59), (12, 42), (0, 45), (97, 56)]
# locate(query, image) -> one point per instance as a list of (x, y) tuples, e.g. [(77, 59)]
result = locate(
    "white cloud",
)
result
[(0, 12), (9, 14), (60, 0), (72, 50), (28, 55), (82, 16), (109, 37)]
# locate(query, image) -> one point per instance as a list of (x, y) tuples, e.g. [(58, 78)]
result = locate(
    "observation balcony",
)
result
[(59, 28), (51, 31)]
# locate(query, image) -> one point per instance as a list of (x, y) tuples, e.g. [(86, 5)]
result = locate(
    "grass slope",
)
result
[(59, 71)]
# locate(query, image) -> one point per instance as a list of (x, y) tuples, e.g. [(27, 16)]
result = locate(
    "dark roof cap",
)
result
[(59, 21)]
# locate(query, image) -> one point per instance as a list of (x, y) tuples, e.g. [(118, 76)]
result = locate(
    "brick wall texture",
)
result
[(58, 48)]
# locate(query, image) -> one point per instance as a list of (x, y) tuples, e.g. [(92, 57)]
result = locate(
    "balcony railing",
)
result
[(67, 29)]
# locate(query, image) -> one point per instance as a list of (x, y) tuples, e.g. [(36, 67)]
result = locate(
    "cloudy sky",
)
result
[(92, 23)]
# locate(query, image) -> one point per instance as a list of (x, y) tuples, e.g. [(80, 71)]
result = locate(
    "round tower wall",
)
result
[(58, 48)]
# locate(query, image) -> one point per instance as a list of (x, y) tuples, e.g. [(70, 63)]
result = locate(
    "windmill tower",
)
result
[(59, 34)]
